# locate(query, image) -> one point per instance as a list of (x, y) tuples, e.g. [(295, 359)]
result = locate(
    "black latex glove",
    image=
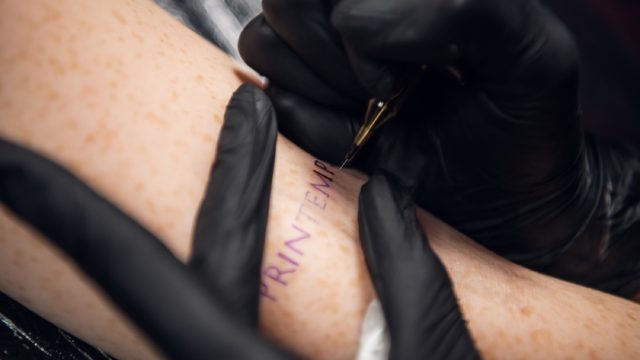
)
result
[(415, 291), (230, 227), (494, 148), (518, 62), (210, 313)]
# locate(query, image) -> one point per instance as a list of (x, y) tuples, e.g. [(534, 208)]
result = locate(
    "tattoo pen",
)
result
[(378, 113)]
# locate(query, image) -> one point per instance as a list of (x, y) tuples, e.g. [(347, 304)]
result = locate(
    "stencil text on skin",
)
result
[(291, 252)]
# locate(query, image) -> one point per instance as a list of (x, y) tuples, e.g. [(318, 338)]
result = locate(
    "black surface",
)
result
[(25, 335)]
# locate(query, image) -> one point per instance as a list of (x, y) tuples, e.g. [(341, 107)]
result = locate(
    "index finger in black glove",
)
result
[(414, 288), (231, 223)]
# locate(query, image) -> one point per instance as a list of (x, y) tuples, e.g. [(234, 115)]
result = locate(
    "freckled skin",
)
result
[(132, 102)]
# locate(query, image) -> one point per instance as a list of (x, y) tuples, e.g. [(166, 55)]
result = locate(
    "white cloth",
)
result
[(374, 337)]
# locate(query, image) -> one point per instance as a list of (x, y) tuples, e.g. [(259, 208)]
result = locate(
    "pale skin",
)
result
[(132, 102)]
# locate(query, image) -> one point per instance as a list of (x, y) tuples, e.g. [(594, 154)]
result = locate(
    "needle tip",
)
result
[(344, 163)]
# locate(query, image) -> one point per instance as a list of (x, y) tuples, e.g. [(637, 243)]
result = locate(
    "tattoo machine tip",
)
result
[(378, 113)]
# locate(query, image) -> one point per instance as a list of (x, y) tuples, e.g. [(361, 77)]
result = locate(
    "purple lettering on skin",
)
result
[(300, 212), (323, 166), (324, 184), (264, 291), (288, 259), (322, 205), (290, 243), (275, 274)]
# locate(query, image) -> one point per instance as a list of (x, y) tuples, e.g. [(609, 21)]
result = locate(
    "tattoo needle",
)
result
[(378, 113)]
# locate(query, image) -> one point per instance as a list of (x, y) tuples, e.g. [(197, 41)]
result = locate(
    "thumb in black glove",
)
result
[(231, 223), (417, 297)]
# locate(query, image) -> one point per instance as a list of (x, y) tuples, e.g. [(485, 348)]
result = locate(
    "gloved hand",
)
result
[(205, 311), (415, 291), (494, 147), (518, 63)]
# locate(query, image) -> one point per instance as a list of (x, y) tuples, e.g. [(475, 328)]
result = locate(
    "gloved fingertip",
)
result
[(323, 132), (385, 193), (386, 218), (377, 184), (253, 33), (250, 104), (248, 91), (387, 221)]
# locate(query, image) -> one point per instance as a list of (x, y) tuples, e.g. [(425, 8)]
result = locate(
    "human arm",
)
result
[(149, 151)]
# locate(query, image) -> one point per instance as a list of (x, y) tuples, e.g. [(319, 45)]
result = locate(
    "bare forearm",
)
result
[(512, 310)]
